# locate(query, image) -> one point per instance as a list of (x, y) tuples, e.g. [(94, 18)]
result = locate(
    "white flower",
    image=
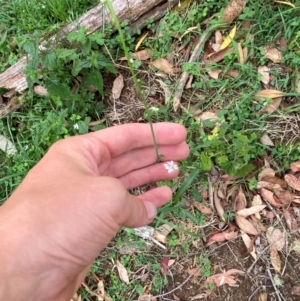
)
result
[(26, 147), (170, 166), (76, 126)]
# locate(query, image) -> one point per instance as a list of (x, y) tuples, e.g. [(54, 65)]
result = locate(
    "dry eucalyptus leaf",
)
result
[(194, 271), (249, 244), (218, 205), (245, 225), (241, 201), (218, 37), (241, 53), (118, 86), (295, 166), (216, 57), (257, 201), (267, 185), (270, 93), (264, 71), (203, 209), (285, 196), (252, 210), (275, 259), (273, 54), (163, 65), (274, 105), (268, 196), (292, 181), (276, 238), (266, 140), (266, 172), (142, 55), (216, 47), (209, 116), (214, 73), (122, 272), (290, 220), (189, 83), (40, 90), (233, 10), (7, 146), (100, 291)]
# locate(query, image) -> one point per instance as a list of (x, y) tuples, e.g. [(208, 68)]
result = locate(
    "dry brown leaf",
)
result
[(176, 297), (224, 278), (252, 210), (270, 93), (7, 146), (241, 53), (214, 73), (202, 208), (292, 181), (275, 259), (266, 140), (285, 197), (268, 196), (216, 57), (209, 116), (201, 296), (147, 297), (272, 53), (194, 271), (233, 10), (163, 65), (263, 296), (295, 166), (217, 237), (264, 71), (218, 206), (275, 180), (249, 244), (142, 55), (267, 185), (100, 290), (257, 224), (266, 172), (122, 272), (218, 37), (290, 220), (274, 105), (162, 232), (40, 90), (296, 290), (245, 225), (257, 201), (240, 202), (118, 86), (276, 238), (231, 235)]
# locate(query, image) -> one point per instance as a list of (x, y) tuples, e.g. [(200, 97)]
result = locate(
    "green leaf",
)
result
[(186, 184), (79, 65), (30, 49), (63, 53), (94, 78), (49, 60), (58, 89), (107, 64), (205, 162)]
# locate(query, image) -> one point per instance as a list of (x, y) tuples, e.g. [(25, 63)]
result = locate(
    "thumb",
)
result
[(141, 210)]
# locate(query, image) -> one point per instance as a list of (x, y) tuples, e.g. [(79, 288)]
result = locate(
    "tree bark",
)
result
[(126, 10)]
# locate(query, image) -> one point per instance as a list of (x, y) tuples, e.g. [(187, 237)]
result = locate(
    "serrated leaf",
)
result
[(229, 39), (206, 163), (49, 60), (78, 65), (58, 89), (95, 78)]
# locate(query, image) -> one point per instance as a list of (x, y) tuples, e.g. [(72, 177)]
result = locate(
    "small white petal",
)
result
[(76, 126), (170, 166)]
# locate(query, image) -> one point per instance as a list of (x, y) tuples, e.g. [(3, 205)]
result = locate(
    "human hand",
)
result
[(72, 203)]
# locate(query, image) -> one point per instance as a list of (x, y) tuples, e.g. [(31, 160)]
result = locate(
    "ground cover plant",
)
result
[(231, 229)]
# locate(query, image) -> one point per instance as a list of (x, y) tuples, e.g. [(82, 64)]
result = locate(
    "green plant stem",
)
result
[(135, 79)]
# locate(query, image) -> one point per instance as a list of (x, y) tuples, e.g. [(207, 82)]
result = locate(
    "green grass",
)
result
[(232, 143)]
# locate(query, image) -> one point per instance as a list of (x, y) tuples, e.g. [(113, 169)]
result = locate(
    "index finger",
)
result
[(123, 138)]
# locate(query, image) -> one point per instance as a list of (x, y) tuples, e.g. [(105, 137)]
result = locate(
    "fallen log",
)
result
[(130, 10)]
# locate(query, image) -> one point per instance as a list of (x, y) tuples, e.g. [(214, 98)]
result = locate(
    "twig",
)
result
[(194, 57), (91, 292), (210, 193), (274, 284)]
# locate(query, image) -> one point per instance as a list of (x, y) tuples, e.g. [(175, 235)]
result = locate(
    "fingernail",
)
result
[(151, 210)]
